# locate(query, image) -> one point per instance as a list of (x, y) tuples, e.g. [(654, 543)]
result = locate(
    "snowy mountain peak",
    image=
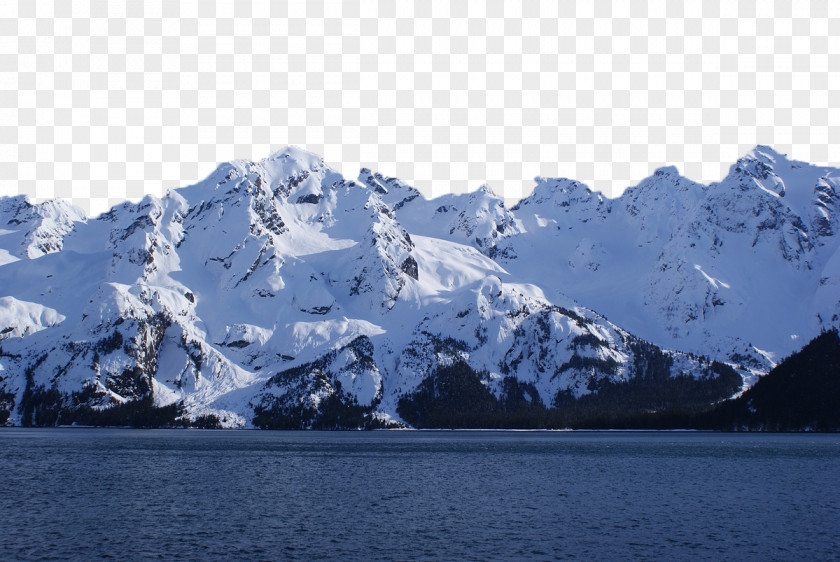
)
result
[(486, 189), (780, 191), (394, 192), (277, 290), (382, 262), (293, 156), (768, 155), (561, 193), (777, 176), (665, 180), (547, 186), (11, 205), (560, 202), (32, 230), (290, 173), (667, 171)]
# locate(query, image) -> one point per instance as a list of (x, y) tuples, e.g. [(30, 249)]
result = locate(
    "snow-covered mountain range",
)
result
[(278, 290)]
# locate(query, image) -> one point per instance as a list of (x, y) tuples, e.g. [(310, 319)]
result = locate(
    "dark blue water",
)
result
[(128, 494)]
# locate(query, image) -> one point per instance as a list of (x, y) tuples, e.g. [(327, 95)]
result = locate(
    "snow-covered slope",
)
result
[(744, 270), (30, 231), (279, 294)]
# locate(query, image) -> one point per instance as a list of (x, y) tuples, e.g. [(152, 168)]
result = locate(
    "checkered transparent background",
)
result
[(102, 101)]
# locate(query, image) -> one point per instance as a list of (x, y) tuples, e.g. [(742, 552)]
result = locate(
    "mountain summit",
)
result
[(280, 294)]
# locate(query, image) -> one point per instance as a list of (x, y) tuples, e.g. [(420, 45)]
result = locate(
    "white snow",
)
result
[(712, 281), (20, 318), (6, 257), (265, 266)]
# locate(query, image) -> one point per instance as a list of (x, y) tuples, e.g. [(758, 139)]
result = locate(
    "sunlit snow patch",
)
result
[(6, 257), (712, 281), (21, 318), (299, 337)]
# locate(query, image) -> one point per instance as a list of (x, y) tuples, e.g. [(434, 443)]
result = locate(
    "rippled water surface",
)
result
[(126, 494)]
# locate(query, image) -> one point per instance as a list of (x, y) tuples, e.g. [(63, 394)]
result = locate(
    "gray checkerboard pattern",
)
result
[(102, 101)]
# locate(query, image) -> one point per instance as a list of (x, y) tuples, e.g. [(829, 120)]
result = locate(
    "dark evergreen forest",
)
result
[(801, 394)]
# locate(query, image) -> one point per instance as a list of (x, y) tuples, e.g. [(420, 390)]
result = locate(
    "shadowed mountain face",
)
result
[(279, 294)]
